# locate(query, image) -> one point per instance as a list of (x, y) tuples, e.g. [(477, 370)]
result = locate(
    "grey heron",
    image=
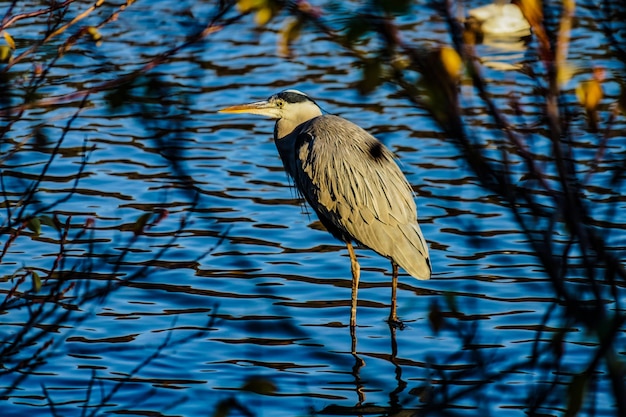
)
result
[(351, 181)]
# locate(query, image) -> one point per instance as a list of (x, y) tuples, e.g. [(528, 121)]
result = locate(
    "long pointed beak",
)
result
[(264, 108)]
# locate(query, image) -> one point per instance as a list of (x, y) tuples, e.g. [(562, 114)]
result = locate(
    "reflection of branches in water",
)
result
[(28, 200), (106, 398), (63, 295), (547, 196), (53, 305), (215, 22)]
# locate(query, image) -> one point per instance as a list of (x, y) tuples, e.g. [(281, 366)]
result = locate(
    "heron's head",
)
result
[(289, 104)]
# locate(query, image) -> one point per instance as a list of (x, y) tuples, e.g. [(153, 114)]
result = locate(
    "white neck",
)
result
[(296, 114)]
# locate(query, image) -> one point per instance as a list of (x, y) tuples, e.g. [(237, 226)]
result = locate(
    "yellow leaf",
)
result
[(263, 15), (451, 61), (94, 33), (590, 93), (36, 281), (9, 39), (5, 53), (245, 6), (289, 33)]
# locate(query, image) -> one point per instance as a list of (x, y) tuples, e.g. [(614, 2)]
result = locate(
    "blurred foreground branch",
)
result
[(571, 236), (71, 267)]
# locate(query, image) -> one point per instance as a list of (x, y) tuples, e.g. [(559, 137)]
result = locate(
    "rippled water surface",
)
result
[(238, 285)]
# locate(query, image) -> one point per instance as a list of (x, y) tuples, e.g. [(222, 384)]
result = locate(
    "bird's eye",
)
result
[(280, 103)]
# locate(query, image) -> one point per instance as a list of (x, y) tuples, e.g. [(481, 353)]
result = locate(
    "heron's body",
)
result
[(351, 180), (356, 189)]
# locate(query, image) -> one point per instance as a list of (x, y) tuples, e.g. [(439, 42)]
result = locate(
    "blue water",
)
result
[(239, 286)]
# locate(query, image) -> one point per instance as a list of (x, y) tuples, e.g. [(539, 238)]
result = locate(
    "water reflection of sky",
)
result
[(252, 287)]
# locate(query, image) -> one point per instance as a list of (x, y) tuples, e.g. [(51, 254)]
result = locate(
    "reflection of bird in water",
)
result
[(589, 94), (351, 181), (498, 19)]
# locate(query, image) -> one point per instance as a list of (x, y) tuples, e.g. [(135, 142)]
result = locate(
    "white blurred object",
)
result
[(501, 19)]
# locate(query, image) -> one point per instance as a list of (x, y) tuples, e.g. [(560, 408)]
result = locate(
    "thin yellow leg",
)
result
[(356, 272), (393, 317)]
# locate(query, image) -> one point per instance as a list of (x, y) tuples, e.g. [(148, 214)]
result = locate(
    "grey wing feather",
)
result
[(354, 184)]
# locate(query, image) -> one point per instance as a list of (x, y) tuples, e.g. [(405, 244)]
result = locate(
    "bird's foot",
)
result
[(396, 323)]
